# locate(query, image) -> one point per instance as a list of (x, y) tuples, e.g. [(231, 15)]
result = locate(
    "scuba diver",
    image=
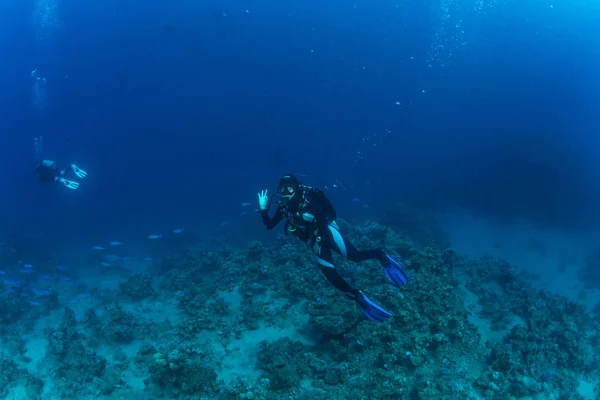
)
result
[(47, 170), (310, 217)]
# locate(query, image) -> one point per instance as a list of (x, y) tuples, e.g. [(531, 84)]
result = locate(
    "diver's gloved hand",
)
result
[(78, 171), (70, 184), (263, 200)]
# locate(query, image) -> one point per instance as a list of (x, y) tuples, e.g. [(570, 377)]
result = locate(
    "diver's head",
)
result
[(288, 186)]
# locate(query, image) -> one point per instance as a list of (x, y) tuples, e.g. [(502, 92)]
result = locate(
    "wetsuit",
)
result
[(47, 171), (311, 217)]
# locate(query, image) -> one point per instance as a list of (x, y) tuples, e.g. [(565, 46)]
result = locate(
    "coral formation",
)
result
[(261, 322), (138, 287)]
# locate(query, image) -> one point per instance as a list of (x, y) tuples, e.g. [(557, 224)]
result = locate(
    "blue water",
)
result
[(470, 124), (182, 110)]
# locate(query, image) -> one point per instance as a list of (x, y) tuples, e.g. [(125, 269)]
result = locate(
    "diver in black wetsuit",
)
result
[(310, 216), (47, 170)]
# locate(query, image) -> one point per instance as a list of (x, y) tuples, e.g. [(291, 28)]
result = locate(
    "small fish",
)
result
[(244, 213), (62, 267), (83, 295), (115, 243), (45, 278), (2, 273), (102, 248), (28, 266), (246, 204), (35, 303), (356, 200), (178, 231), (127, 258), (256, 210), (41, 292), (26, 271), (13, 250), (152, 237), (74, 301), (65, 279), (105, 264), (148, 259), (365, 206), (112, 257), (223, 223)]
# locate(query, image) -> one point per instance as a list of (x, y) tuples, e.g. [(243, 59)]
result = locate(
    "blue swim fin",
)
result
[(395, 272), (371, 310)]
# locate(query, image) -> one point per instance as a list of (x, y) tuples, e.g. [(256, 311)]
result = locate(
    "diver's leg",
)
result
[(393, 269), (361, 255), (344, 247), (369, 308), (325, 261)]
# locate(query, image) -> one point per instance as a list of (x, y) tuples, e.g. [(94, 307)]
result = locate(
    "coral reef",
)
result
[(138, 287), (262, 322), (73, 364), (179, 369), (120, 326)]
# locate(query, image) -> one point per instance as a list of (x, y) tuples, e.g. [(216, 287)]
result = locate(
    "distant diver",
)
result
[(310, 217), (47, 170)]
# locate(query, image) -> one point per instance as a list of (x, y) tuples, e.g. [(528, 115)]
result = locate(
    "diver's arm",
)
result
[(323, 211), (321, 220), (271, 222), (325, 204)]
